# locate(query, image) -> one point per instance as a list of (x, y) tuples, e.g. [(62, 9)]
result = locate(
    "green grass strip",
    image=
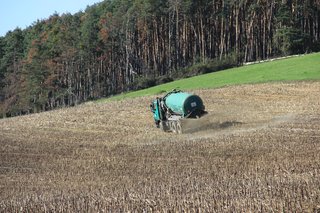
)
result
[(306, 67)]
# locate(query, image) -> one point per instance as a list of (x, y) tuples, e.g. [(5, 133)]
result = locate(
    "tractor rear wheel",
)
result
[(163, 126)]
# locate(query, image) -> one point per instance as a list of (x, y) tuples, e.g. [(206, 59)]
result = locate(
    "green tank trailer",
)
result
[(170, 110)]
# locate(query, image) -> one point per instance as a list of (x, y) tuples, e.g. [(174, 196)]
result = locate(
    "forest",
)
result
[(120, 45)]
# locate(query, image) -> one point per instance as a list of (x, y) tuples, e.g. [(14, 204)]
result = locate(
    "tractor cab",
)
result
[(154, 106)]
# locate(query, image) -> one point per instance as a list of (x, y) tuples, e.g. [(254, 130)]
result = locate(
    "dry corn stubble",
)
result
[(258, 149)]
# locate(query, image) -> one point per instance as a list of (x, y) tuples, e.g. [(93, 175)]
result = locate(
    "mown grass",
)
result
[(306, 67)]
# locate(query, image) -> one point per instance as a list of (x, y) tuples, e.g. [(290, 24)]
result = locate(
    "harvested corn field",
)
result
[(257, 150)]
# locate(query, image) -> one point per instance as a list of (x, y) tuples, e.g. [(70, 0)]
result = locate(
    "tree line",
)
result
[(113, 45)]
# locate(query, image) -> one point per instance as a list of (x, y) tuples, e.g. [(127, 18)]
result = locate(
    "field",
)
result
[(257, 150)]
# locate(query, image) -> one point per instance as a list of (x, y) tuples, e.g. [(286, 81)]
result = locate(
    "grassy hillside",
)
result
[(305, 67)]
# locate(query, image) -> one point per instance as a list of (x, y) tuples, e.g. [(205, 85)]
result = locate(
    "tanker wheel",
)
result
[(173, 126), (178, 127)]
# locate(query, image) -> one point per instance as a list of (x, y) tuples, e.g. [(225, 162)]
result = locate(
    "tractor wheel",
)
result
[(163, 126)]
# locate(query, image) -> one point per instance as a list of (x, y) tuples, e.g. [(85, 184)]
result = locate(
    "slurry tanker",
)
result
[(176, 106)]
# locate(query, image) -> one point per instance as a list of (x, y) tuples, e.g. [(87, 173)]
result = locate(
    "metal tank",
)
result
[(184, 104)]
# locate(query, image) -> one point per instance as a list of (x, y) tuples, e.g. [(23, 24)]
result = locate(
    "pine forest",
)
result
[(120, 45)]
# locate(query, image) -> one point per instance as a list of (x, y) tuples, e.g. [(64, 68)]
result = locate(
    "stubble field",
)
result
[(257, 150)]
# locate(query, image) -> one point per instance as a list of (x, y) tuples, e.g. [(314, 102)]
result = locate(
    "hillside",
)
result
[(304, 67), (257, 150)]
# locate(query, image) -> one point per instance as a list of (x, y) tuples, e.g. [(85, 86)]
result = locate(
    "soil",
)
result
[(256, 142)]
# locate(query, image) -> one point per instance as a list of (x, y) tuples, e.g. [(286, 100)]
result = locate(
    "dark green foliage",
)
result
[(2, 67), (292, 41), (289, 37), (146, 82), (119, 45), (211, 65)]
